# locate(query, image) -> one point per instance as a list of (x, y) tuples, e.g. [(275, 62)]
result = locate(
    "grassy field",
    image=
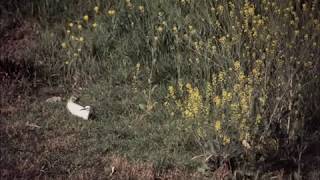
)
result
[(181, 89)]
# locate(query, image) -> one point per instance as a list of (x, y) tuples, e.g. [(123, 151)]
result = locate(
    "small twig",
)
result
[(32, 125), (112, 171), (196, 157)]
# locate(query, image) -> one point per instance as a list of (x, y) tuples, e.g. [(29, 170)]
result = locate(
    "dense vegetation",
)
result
[(207, 85)]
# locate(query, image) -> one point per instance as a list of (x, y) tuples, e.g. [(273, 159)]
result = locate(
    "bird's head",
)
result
[(87, 108)]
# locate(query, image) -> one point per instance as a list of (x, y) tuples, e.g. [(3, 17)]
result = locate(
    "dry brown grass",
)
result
[(123, 169)]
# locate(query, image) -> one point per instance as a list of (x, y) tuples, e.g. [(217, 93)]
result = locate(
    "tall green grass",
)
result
[(227, 77)]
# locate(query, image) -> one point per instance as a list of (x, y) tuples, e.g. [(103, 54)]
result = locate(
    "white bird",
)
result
[(77, 110)]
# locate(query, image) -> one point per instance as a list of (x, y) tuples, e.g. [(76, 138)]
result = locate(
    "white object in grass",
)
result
[(78, 110)]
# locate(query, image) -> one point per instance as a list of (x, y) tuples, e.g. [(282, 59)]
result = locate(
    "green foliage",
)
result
[(240, 74)]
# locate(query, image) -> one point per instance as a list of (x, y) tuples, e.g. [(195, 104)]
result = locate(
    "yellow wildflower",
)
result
[(174, 29), (94, 25), (166, 103), (81, 39), (63, 45), (171, 91), (138, 66), (96, 9), (220, 9), (188, 86), (160, 28), (193, 104), (226, 140), (222, 40), (86, 18), (141, 9), (129, 5), (70, 24), (111, 12), (217, 101), (237, 65), (251, 11), (221, 76), (304, 7), (217, 125)]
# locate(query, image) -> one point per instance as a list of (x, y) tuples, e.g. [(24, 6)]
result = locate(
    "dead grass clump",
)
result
[(121, 168)]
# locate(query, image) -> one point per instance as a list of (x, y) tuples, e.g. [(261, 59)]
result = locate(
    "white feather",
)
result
[(78, 110)]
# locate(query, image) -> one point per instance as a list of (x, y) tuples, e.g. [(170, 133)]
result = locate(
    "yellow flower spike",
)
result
[(141, 9), (129, 5), (67, 62), (96, 9), (175, 29), (171, 91), (164, 23), (217, 101), (71, 24), (111, 12), (220, 9), (225, 94), (79, 27), (237, 65), (160, 29), (193, 31), (64, 45), (188, 86), (251, 11), (222, 40), (86, 18), (226, 140), (94, 25), (217, 125), (81, 39), (68, 31), (138, 66), (221, 76), (304, 7), (166, 103), (79, 49)]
